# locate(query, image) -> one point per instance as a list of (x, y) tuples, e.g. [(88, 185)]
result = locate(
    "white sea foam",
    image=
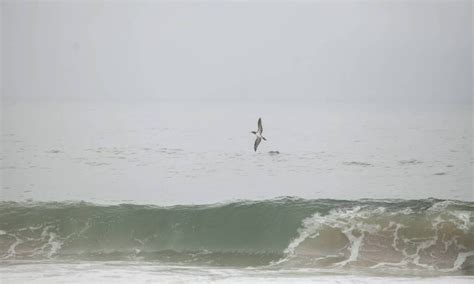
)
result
[(128, 272), (11, 250), (360, 225)]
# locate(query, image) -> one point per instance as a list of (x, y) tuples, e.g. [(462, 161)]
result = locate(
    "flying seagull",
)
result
[(258, 133)]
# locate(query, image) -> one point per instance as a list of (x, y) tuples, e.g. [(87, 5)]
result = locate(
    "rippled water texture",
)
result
[(171, 153)]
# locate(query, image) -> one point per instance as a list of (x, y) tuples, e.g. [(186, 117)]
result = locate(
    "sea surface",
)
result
[(165, 191)]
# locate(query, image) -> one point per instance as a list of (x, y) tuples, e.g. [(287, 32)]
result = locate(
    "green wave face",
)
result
[(420, 234)]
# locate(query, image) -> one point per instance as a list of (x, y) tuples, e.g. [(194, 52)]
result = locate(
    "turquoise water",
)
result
[(376, 236)]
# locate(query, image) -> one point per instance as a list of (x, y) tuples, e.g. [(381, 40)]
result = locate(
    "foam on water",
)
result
[(361, 227), (434, 236), (128, 272)]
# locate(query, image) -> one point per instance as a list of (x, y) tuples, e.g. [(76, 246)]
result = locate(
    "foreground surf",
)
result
[(421, 235)]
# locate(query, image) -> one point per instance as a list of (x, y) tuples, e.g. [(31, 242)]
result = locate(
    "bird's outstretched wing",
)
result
[(257, 141), (260, 128)]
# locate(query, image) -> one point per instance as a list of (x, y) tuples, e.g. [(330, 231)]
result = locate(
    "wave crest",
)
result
[(429, 235)]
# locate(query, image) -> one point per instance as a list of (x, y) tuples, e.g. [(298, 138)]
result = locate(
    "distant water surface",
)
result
[(182, 153)]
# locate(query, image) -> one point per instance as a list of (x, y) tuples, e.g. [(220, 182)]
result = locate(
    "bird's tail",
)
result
[(264, 138)]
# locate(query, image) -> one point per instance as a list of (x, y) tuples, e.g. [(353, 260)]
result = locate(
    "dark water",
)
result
[(420, 235)]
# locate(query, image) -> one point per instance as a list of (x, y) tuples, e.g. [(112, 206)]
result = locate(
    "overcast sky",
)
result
[(344, 50)]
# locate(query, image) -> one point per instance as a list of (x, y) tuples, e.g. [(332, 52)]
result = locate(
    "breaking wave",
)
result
[(420, 235)]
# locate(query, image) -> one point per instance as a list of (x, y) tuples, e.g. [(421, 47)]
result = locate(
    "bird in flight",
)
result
[(258, 133)]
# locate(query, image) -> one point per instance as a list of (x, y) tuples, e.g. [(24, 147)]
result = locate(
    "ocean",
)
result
[(166, 191)]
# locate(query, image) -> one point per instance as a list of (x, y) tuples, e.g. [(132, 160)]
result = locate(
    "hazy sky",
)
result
[(343, 50)]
